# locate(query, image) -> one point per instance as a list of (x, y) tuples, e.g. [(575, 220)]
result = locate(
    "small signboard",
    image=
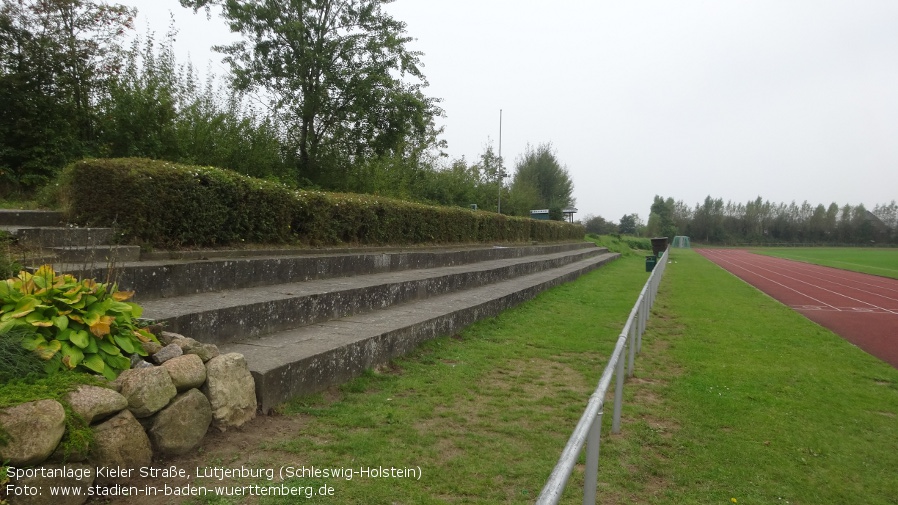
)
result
[(542, 214)]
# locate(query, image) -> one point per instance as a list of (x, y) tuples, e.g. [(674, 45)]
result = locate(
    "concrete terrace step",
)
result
[(30, 218), (104, 256), (308, 359), (209, 271), (224, 316), (59, 236)]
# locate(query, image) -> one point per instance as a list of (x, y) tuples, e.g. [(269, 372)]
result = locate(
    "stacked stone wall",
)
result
[(161, 407)]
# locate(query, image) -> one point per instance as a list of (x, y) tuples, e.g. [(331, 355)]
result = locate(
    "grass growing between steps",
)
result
[(484, 414), (737, 396)]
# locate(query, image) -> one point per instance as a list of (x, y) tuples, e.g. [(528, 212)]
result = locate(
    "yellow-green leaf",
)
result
[(7, 325), (121, 307), (61, 322), (4, 289), (124, 343), (121, 296), (109, 373), (80, 338), (47, 350), (91, 318), (109, 348), (94, 363), (71, 356), (25, 306)]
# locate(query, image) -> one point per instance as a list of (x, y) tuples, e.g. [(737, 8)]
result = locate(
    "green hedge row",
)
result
[(169, 205)]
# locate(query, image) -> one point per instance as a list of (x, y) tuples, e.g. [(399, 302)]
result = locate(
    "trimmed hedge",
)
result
[(169, 205)]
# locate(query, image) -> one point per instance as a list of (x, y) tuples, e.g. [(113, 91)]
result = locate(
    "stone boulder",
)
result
[(147, 390), (167, 337), (34, 429), (95, 403), (186, 372), (180, 427), (70, 475), (151, 347), (166, 353), (120, 447), (231, 391), (191, 346)]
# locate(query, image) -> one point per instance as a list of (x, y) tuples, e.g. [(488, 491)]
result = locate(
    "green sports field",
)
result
[(882, 262), (735, 399)]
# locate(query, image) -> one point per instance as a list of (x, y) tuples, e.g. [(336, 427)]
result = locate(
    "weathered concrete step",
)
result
[(30, 218), (221, 317), (102, 256), (59, 236), (309, 359), (170, 278)]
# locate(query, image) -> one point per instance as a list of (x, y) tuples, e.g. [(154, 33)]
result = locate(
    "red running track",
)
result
[(862, 308)]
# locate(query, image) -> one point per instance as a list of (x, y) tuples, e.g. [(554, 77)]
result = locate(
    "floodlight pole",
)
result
[(501, 173)]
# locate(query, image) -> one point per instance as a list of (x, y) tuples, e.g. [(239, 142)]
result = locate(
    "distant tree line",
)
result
[(629, 224), (759, 221), (322, 94)]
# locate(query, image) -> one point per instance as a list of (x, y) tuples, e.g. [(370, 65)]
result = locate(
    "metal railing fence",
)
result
[(589, 428)]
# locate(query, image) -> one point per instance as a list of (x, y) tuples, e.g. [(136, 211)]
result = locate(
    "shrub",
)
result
[(165, 204), (76, 324)]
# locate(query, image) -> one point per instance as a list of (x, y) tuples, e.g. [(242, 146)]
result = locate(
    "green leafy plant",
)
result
[(72, 323)]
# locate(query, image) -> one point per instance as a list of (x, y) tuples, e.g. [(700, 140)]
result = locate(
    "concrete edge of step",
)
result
[(311, 374)]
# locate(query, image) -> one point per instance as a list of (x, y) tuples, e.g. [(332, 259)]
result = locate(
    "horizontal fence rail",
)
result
[(589, 428)]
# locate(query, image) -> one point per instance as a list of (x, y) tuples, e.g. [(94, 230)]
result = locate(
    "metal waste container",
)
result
[(659, 244), (650, 262)]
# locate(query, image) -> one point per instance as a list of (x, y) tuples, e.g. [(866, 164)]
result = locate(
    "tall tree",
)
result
[(540, 182), (334, 70), (55, 56), (598, 225), (662, 221), (629, 224)]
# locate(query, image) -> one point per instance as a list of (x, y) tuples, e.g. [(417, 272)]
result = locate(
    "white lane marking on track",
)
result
[(875, 294), (816, 273), (814, 286), (860, 310), (781, 284), (811, 260)]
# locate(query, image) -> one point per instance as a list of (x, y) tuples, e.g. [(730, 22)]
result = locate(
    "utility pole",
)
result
[(501, 173)]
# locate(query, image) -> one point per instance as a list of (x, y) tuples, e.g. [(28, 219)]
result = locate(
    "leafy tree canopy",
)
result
[(54, 56), (335, 71), (540, 182)]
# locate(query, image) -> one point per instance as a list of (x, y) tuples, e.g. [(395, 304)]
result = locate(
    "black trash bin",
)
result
[(650, 262), (659, 245)]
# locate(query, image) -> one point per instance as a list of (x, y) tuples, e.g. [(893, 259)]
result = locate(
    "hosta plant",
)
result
[(70, 323)]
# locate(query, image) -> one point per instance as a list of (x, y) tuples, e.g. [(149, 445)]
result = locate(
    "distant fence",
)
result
[(589, 429)]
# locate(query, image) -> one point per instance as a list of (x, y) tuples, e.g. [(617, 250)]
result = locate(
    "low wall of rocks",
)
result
[(163, 408)]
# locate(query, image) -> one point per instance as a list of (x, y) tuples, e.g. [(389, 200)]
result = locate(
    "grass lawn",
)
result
[(484, 414), (735, 397), (738, 397), (882, 262)]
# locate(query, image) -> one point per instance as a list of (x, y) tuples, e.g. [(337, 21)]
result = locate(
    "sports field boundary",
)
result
[(589, 428)]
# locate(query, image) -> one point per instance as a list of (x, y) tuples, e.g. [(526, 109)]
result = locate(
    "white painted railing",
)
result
[(589, 428)]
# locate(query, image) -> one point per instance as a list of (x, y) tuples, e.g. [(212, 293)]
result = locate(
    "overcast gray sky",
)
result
[(788, 100)]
